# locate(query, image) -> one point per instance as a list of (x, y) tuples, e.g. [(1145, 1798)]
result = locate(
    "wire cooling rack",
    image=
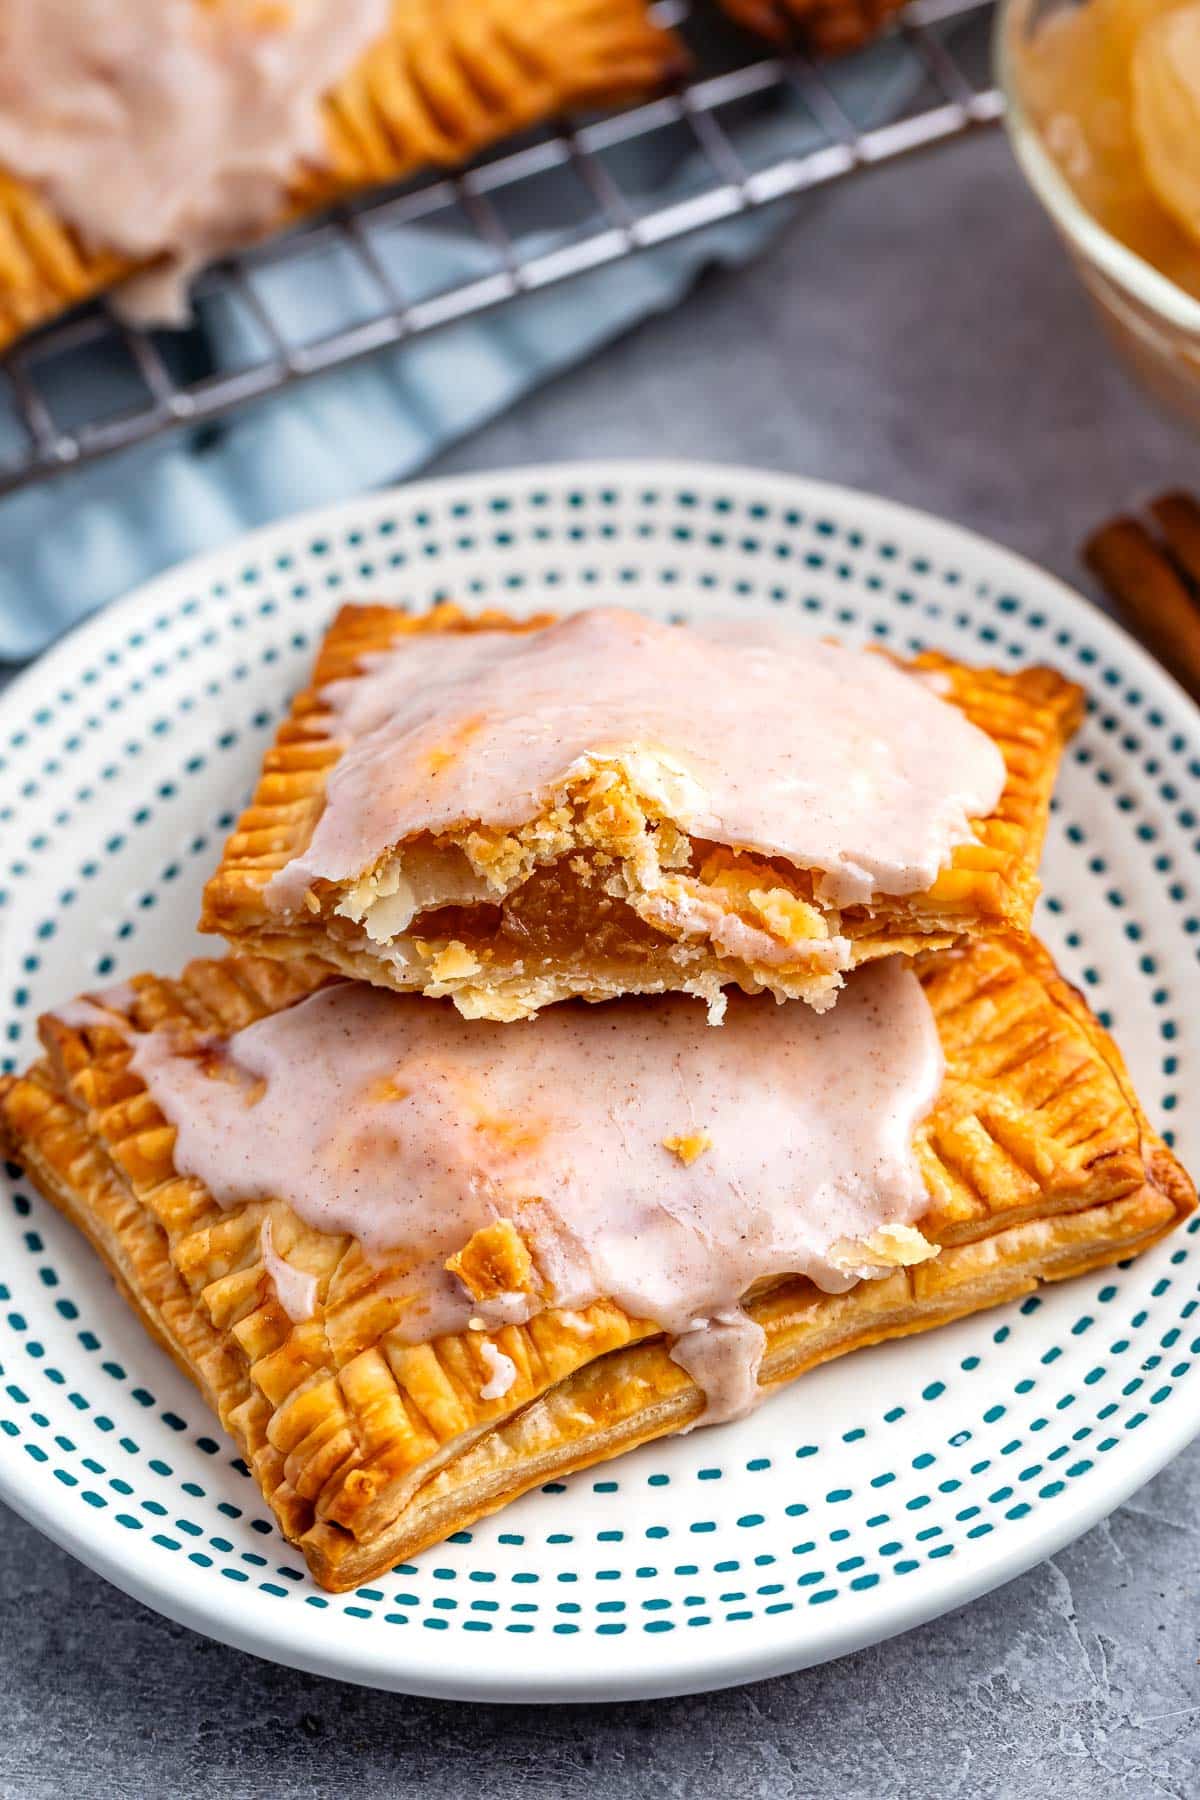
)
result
[(576, 197)]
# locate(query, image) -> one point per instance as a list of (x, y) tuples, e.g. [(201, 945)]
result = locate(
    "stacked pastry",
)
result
[(425, 1226)]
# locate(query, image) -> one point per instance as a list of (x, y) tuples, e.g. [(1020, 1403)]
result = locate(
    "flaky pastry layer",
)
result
[(1038, 1162), (595, 897), (450, 78)]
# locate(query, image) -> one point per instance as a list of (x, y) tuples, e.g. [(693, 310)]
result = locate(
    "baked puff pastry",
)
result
[(830, 26), (513, 813), (372, 1436), (447, 79)]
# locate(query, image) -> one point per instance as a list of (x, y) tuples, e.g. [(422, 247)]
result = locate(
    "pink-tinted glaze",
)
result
[(169, 129), (502, 1371), (393, 1119), (108, 1008), (295, 1290), (770, 740)]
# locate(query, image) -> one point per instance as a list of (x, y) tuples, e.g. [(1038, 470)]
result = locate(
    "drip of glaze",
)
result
[(502, 1371), (295, 1291), (393, 1119)]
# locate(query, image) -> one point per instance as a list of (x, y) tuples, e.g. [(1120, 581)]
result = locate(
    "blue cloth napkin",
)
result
[(70, 544)]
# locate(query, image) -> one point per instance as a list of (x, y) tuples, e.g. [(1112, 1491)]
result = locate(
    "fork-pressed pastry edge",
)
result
[(370, 1457), (449, 78), (613, 943)]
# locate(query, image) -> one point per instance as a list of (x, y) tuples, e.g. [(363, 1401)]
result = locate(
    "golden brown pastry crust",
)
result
[(1038, 1161), (450, 78), (830, 26), (559, 931)]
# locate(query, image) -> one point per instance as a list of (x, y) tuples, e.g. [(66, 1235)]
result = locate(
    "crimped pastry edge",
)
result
[(272, 831), (425, 95), (634, 1393), (498, 1458)]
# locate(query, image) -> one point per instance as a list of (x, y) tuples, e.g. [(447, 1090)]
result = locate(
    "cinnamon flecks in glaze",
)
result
[(747, 737), (508, 1170), (677, 807)]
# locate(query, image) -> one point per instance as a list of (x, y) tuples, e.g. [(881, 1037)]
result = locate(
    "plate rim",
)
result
[(728, 1662)]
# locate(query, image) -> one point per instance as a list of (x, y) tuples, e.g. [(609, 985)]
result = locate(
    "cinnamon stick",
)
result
[(1178, 518), (1151, 594)]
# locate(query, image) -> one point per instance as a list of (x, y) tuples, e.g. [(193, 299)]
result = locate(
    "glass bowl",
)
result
[(1154, 323)]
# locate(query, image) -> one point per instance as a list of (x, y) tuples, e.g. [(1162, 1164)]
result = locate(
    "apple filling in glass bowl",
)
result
[(1104, 112)]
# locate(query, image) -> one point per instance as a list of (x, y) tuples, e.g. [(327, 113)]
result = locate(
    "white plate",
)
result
[(876, 1493)]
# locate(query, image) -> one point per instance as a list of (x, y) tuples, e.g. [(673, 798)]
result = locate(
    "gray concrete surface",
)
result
[(916, 333)]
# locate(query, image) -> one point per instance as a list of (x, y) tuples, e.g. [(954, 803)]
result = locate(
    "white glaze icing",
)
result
[(295, 1290), (168, 129), (108, 1008), (755, 735), (393, 1119), (502, 1371)]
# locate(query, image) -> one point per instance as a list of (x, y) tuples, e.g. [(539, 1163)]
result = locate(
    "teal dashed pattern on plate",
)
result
[(874, 1493)]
